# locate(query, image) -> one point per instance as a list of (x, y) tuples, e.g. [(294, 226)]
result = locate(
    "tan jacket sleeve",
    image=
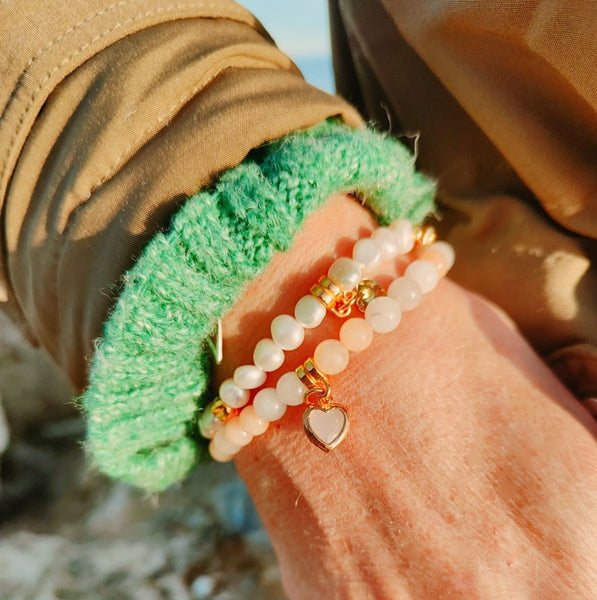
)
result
[(503, 95), (112, 113)]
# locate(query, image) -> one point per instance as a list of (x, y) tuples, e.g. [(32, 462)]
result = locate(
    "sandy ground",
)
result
[(68, 533)]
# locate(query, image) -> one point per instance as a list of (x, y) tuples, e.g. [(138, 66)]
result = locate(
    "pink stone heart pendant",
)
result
[(326, 426)]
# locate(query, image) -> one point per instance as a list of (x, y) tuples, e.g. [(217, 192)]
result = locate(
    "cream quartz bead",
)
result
[(268, 405), (367, 253), (221, 447), (445, 250), (291, 389), (232, 395), (217, 454), (424, 274), (249, 377), (287, 332), (236, 433), (437, 260), (267, 355), (383, 314), (345, 273), (405, 235), (309, 311), (331, 357), (251, 422), (406, 292), (356, 334), (209, 424), (388, 242)]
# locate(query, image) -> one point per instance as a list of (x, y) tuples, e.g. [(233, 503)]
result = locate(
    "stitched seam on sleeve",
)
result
[(67, 59), (168, 114)]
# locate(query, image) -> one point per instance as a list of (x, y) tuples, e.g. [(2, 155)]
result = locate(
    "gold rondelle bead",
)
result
[(324, 295), (425, 235), (329, 285)]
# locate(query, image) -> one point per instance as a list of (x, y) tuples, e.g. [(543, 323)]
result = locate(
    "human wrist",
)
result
[(351, 285)]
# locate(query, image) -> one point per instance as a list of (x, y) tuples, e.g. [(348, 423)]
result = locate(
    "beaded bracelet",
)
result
[(288, 332), (325, 422)]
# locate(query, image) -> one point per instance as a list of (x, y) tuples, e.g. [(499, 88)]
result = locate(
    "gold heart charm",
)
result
[(326, 426)]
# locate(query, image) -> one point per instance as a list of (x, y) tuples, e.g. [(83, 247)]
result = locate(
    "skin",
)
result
[(468, 471)]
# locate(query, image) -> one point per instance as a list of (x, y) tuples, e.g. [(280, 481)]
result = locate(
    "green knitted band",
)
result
[(151, 371)]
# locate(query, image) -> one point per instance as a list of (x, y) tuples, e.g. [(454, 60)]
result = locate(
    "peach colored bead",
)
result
[(437, 259), (218, 454), (356, 334), (251, 422), (236, 433), (331, 357), (446, 249), (223, 445)]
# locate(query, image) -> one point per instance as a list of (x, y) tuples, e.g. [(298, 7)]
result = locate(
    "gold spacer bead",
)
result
[(324, 295), (333, 297), (222, 412), (329, 285), (425, 235), (366, 291)]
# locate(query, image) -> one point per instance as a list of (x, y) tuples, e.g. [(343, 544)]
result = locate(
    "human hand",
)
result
[(468, 471)]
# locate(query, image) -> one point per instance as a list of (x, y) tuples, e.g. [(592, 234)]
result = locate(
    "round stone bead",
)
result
[(345, 273), (236, 433), (387, 241), (424, 274), (406, 292), (446, 250), (356, 334), (232, 395), (367, 252), (331, 357), (405, 235), (268, 405), (267, 355), (249, 377), (437, 260), (209, 424), (251, 422), (217, 454), (223, 444), (291, 389), (287, 332), (309, 311), (383, 314)]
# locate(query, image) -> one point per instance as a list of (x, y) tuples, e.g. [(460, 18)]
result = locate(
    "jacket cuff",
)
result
[(151, 371), (112, 116)]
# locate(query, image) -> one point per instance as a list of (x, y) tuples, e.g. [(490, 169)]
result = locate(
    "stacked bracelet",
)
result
[(231, 424)]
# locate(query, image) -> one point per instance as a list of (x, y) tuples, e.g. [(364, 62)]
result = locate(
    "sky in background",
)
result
[(301, 30)]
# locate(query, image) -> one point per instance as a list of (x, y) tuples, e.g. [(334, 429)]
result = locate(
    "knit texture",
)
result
[(150, 374)]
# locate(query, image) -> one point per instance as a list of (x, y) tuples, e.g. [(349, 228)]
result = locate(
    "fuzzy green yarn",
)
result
[(150, 374)]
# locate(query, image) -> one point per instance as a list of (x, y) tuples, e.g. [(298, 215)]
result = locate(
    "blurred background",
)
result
[(301, 30), (68, 533)]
